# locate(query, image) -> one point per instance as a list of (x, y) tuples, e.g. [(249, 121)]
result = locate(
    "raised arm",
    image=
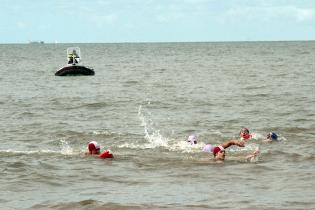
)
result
[(233, 142)]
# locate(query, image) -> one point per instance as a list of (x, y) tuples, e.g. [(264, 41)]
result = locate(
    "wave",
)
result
[(94, 204), (24, 152), (104, 133), (95, 105), (65, 149)]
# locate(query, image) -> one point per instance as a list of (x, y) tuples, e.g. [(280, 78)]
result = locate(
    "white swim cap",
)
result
[(192, 139)]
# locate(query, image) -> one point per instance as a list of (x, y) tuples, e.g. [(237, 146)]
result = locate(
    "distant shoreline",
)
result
[(36, 42)]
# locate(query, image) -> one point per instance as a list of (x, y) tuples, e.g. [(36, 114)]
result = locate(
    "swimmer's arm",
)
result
[(233, 142), (246, 158), (253, 155), (267, 141)]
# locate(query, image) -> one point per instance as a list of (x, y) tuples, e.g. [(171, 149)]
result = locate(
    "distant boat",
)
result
[(36, 42), (74, 68)]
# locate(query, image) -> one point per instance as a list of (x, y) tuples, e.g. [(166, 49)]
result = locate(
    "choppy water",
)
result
[(142, 103)]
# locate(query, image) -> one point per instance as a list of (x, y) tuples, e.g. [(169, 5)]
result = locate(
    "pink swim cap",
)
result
[(208, 148)]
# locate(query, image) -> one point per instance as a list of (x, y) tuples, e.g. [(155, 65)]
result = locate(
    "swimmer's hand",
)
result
[(253, 155), (256, 152), (267, 141)]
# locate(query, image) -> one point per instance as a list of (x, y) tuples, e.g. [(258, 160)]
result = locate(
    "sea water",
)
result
[(143, 102)]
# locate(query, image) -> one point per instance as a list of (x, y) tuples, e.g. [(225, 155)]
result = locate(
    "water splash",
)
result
[(65, 148), (152, 135)]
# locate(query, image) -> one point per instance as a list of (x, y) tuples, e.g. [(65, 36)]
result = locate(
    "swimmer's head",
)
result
[(272, 136), (244, 134), (93, 147), (219, 153), (192, 139)]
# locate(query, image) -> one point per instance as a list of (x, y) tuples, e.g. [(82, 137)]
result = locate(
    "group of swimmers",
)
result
[(218, 151)]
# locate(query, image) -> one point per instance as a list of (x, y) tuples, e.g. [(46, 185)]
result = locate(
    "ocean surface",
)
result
[(143, 102)]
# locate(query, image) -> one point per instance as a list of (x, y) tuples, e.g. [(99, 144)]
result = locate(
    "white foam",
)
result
[(30, 151), (256, 136), (136, 146), (249, 147), (185, 147), (65, 148), (106, 133)]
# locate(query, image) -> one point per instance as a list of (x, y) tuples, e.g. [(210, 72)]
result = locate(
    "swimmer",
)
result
[(271, 137), (245, 135), (192, 139), (95, 150), (219, 150)]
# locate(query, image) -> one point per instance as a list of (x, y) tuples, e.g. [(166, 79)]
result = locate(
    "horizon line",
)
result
[(41, 42)]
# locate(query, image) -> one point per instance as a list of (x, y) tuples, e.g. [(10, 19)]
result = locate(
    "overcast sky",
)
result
[(87, 21)]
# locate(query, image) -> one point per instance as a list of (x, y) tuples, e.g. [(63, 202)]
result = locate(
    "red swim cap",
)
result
[(217, 149), (106, 154), (93, 145)]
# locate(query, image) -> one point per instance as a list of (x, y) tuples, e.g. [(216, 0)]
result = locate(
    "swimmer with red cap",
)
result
[(245, 135), (219, 151), (95, 149)]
